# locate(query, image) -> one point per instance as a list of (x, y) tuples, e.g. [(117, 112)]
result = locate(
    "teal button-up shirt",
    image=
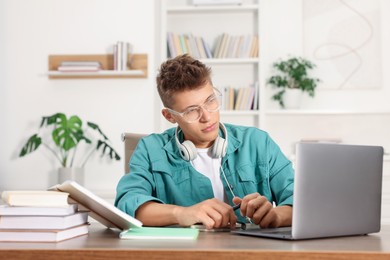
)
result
[(253, 163)]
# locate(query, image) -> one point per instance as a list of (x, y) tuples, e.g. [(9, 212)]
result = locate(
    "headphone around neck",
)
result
[(188, 150)]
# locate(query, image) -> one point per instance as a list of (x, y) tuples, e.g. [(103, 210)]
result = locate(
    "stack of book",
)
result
[(121, 55), (79, 66), (40, 216)]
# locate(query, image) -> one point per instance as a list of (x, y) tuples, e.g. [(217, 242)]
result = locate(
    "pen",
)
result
[(237, 206)]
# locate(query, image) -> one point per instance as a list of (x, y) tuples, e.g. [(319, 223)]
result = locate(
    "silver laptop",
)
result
[(337, 192)]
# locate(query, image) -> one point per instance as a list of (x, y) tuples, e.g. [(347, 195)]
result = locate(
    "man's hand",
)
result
[(262, 212), (212, 213)]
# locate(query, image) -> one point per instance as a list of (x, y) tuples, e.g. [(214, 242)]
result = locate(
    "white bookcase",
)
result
[(209, 22)]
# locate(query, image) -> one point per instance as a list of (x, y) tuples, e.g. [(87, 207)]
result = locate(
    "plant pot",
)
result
[(74, 174), (292, 98)]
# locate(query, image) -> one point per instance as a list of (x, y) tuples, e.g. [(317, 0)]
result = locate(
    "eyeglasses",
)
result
[(193, 113)]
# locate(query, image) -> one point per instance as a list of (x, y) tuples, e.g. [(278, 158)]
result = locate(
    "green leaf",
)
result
[(111, 152), (50, 120), (68, 132), (32, 144), (97, 128)]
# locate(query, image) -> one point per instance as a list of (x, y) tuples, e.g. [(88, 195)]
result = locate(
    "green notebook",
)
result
[(159, 233)]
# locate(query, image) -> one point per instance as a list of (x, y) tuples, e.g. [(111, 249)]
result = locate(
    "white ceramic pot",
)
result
[(74, 174), (292, 98)]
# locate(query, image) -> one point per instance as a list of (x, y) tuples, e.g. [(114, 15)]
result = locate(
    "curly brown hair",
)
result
[(179, 74)]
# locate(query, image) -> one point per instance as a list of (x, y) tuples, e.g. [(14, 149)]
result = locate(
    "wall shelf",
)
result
[(138, 67)]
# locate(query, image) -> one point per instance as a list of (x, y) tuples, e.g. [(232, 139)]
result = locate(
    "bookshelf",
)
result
[(138, 67), (210, 22), (330, 119)]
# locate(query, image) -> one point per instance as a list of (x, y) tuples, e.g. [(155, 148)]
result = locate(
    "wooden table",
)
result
[(102, 243)]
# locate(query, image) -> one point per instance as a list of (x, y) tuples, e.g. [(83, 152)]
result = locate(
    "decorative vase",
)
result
[(292, 98), (71, 173)]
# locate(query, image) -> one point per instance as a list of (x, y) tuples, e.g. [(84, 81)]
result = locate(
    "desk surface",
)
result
[(102, 243)]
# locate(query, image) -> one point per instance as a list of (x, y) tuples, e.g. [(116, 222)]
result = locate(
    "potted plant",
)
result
[(63, 137), (292, 74)]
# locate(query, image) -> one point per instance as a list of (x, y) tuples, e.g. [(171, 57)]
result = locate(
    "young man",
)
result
[(195, 172)]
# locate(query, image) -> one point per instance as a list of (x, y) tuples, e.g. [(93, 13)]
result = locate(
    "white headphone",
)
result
[(188, 150)]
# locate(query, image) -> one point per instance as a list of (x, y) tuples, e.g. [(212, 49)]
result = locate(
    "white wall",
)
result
[(32, 30)]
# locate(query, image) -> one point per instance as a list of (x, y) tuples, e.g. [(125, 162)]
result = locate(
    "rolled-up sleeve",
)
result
[(281, 175), (136, 188)]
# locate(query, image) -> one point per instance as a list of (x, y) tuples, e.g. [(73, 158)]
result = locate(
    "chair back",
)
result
[(130, 143)]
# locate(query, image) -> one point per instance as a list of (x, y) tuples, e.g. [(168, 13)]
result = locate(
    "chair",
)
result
[(131, 140)]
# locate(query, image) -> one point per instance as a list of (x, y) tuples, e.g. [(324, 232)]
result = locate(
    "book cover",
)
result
[(6, 210), (42, 235), (160, 233), (35, 198), (43, 222)]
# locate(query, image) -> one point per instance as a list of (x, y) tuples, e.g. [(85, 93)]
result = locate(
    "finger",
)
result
[(236, 200), (262, 213), (232, 219), (217, 216), (207, 221), (268, 219), (227, 214), (255, 204), (245, 201)]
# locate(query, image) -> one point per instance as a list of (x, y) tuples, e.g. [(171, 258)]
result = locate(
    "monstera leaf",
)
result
[(107, 148), (68, 132), (32, 144)]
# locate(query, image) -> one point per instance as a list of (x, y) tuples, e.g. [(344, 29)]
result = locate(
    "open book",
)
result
[(100, 210)]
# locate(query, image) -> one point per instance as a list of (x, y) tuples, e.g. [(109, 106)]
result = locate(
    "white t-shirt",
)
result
[(209, 167)]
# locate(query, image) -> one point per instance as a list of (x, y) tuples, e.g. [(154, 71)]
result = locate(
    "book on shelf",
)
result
[(195, 46), (35, 198), (42, 235), (121, 52), (256, 104), (79, 66), (81, 63), (207, 49), (240, 98), (43, 222), (6, 210), (171, 45), (160, 233)]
